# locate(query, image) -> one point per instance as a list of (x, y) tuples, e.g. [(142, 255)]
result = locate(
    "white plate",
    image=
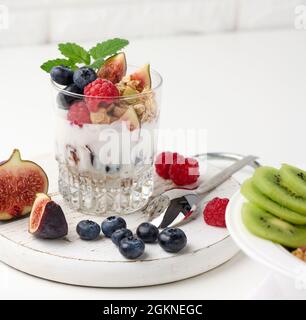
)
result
[(271, 254), (99, 263)]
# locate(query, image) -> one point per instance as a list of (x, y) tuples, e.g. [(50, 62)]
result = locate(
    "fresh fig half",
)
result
[(47, 219), (143, 75), (20, 180), (114, 68)]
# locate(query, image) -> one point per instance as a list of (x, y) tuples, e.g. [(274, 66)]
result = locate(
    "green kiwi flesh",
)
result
[(264, 225), (252, 194), (294, 178), (269, 182)]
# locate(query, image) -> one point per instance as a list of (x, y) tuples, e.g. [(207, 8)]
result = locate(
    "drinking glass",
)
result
[(105, 160)]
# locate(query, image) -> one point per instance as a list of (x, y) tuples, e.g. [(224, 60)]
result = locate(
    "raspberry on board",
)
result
[(100, 91), (185, 173), (214, 212)]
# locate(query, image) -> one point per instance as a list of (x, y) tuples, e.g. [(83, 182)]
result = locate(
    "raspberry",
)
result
[(163, 162), (184, 173), (78, 114), (214, 212), (101, 91)]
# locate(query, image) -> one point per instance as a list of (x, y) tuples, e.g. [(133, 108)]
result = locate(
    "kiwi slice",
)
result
[(265, 225), (269, 182), (294, 178), (259, 199)]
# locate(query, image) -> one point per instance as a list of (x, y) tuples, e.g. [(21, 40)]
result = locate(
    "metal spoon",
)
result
[(179, 205)]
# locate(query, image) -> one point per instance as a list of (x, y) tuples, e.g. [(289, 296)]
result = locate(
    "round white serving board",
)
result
[(99, 263), (264, 251)]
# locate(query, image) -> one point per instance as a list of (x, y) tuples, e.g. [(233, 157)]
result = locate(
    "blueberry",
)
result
[(65, 100), (119, 234), (112, 168), (147, 232), (131, 247), (88, 230), (62, 75), (111, 224), (172, 239), (83, 76)]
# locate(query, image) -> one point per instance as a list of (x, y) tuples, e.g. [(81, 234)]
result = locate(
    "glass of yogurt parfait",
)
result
[(106, 137)]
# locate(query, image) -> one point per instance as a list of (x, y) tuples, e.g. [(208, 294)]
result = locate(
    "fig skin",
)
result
[(114, 68), (10, 169), (53, 224)]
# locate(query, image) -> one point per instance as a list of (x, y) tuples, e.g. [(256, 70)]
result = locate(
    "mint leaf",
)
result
[(108, 48), (48, 65), (97, 63), (74, 52)]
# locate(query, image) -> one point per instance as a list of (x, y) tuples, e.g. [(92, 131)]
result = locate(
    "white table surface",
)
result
[(248, 90)]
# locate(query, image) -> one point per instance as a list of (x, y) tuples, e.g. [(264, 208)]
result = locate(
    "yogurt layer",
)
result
[(105, 149)]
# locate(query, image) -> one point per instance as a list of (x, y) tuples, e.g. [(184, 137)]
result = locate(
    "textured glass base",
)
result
[(105, 195)]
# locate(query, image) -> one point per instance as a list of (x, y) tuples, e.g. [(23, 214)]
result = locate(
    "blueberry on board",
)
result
[(88, 230), (131, 247), (172, 239), (147, 232), (65, 100), (119, 234), (62, 75), (111, 224), (83, 76)]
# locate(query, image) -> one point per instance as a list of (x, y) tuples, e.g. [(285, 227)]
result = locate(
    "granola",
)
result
[(101, 117), (300, 253)]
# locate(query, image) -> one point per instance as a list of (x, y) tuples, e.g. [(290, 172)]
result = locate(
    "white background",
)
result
[(43, 21)]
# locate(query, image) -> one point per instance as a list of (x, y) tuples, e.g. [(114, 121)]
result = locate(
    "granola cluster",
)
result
[(127, 82), (143, 104), (300, 253)]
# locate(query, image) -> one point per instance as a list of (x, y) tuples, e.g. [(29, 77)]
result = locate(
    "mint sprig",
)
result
[(48, 65), (75, 54)]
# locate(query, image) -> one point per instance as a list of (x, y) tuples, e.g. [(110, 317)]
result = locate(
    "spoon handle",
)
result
[(225, 174)]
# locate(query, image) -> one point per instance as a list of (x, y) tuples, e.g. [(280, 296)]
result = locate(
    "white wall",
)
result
[(42, 21)]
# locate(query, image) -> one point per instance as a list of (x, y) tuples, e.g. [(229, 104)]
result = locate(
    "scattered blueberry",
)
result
[(172, 239), (147, 232), (62, 75), (131, 247), (88, 230), (119, 234), (83, 76), (111, 224), (65, 100)]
